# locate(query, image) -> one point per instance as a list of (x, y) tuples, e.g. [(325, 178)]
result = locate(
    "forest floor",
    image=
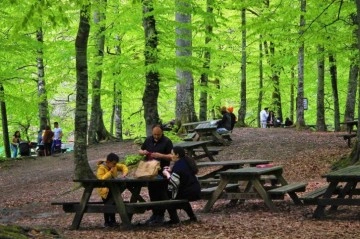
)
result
[(28, 186)]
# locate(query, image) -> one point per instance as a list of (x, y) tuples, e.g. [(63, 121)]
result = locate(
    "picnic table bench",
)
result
[(125, 209), (190, 147), (350, 134), (253, 187), (341, 190)]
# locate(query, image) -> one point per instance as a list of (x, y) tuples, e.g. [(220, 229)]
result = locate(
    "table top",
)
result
[(189, 144), (118, 180), (252, 171), (206, 126), (345, 174), (233, 162), (195, 123)]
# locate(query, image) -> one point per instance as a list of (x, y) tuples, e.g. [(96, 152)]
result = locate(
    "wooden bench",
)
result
[(289, 189), (212, 150), (131, 208), (310, 198), (347, 137), (206, 192)]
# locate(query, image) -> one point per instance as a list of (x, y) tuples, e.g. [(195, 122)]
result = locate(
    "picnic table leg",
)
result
[(80, 213), (262, 192), (320, 209), (345, 191), (119, 203), (216, 194), (208, 153)]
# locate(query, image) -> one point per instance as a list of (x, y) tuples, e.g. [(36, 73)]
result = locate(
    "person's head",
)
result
[(47, 127), (177, 152), (157, 132), (56, 124), (223, 110), (230, 109), (111, 160), (17, 133), (266, 108)]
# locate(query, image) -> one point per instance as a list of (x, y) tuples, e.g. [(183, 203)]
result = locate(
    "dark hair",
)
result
[(157, 125), (17, 131), (112, 158), (191, 162)]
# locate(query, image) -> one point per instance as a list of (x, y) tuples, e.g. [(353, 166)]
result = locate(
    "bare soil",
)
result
[(28, 186)]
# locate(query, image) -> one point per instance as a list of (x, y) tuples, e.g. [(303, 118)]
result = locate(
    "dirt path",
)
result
[(28, 186)]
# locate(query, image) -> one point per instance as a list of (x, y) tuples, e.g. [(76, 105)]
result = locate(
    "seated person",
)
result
[(271, 119), (233, 117), (288, 122), (107, 170), (224, 125), (183, 183)]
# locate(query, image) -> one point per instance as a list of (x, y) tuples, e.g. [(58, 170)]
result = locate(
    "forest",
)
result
[(108, 70)]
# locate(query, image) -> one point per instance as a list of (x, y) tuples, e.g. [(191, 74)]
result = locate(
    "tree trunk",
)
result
[(242, 109), (333, 76), (292, 94), (185, 109), (151, 93), (261, 80), (43, 103), (4, 122), (82, 167), (320, 112), (97, 130), (300, 120), (207, 58)]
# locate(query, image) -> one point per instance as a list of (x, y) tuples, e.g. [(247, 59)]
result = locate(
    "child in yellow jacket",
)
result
[(108, 170)]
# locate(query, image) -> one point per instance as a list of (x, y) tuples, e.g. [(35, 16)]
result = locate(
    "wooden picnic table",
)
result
[(229, 164), (125, 209), (189, 146), (209, 129), (341, 190), (190, 126), (350, 134), (254, 187)]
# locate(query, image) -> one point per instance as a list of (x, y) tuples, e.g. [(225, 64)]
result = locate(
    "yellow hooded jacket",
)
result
[(104, 173)]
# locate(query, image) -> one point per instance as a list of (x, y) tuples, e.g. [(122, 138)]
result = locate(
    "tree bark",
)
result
[(333, 76), (206, 66), (82, 167), (320, 111), (151, 93), (185, 109), (4, 122), (300, 120), (43, 103), (97, 129), (242, 109)]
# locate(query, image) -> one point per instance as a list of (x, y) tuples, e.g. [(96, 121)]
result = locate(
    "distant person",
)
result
[(233, 117), (263, 117), (183, 183), (108, 170), (56, 143), (271, 119), (47, 136), (158, 147), (224, 125), (288, 122), (16, 139)]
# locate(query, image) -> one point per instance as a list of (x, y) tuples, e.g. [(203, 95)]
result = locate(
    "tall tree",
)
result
[(204, 78), (185, 109), (151, 93), (4, 122), (97, 130), (300, 120), (242, 109), (334, 86), (43, 102), (320, 112), (82, 167)]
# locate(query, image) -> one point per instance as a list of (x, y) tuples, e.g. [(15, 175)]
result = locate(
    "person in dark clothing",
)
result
[(158, 147), (183, 183), (288, 122), (232, 116), (224, 125)]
